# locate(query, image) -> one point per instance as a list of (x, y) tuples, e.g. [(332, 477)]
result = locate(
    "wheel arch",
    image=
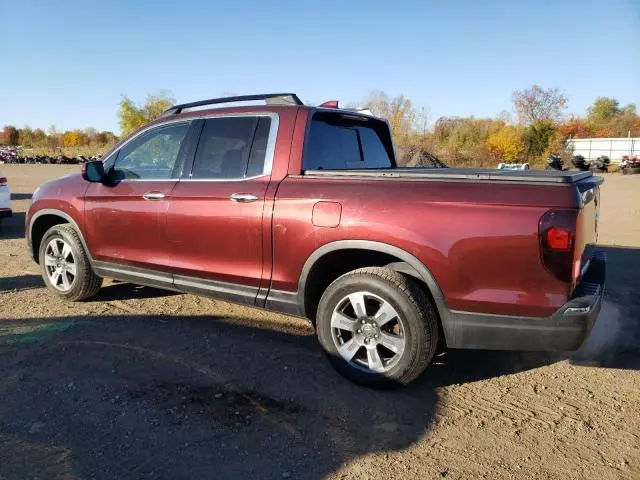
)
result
[(407, 264), (42, 221)]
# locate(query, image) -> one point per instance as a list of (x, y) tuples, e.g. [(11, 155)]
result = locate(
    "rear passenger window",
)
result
[(341, 141), (231, 148)]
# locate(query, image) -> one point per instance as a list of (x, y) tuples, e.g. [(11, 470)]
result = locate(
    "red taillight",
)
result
[(558, 239), (3, 181), (557, 231)]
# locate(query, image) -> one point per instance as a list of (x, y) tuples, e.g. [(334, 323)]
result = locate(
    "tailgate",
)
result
[(586, 225)]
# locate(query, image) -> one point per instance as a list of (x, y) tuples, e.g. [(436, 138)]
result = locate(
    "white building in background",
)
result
[(614, 148)]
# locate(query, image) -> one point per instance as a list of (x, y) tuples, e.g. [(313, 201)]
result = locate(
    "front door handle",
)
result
[(154, 196), (244, 197)]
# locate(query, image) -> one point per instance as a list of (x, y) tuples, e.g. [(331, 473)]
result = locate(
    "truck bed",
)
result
[(462, 174)]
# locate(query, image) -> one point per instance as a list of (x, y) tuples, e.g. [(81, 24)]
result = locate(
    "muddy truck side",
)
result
[(303, 210)]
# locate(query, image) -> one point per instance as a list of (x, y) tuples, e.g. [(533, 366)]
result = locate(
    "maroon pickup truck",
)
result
[(303, 210)]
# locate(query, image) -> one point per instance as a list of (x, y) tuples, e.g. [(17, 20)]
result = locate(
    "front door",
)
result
[(214, 219), (124, 215)]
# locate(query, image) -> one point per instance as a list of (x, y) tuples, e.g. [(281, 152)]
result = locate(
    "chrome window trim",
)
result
[(196, 179), (268, 157), (271, 143), (156, 180), (243, 179)]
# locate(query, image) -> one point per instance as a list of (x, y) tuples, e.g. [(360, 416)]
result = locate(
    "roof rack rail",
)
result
[(280, 99)]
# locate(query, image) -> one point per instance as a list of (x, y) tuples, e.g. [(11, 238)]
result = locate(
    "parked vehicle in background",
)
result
[(8, 154), (601, 164), (5, 198), (554, 162), (579, 162), (630, 166), (303, 210), (513, 166)]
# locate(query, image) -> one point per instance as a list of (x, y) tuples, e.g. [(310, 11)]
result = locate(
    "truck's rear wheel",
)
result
[(65, 265), (377, 327)]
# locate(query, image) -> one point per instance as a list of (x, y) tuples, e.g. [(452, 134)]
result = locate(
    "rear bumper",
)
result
[(565, 330), (5, 212)]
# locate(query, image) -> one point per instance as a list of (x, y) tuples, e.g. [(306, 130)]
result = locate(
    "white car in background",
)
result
[(5, 198)]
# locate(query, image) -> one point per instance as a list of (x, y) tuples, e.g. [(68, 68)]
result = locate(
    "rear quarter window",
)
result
[(338, 141)]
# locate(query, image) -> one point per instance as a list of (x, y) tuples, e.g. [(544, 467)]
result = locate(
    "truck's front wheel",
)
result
[(65, 264), (377, 327)]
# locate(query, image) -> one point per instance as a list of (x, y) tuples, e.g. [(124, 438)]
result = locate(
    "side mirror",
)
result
[(93, 171)]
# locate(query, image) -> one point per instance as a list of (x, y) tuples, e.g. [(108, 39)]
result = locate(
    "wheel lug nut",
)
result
[(358, 331), (374, 324), (362, 322), (366, 340), (376, 336)]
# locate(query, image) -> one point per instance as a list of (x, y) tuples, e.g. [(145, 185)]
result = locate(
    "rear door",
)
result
[(214, 218), (124, 214)]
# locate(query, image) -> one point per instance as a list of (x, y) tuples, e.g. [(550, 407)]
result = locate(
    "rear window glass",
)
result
[(341, 142)]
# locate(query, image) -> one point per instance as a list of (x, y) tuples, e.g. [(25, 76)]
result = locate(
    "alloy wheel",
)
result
[(368, 332), (60, 265)]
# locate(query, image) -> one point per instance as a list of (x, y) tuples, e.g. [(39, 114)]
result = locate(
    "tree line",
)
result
[(538, 128), (52, 139), (131, 117)]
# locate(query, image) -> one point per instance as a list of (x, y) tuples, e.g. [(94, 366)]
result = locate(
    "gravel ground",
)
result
[(140, 383)]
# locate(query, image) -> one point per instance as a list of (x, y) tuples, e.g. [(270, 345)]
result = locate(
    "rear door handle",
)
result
[(154, 196), (244, 197)]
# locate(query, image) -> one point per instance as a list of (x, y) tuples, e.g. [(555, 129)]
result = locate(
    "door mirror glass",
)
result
[(93, 171)]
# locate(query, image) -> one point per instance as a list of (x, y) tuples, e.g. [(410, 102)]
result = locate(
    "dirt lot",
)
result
[(140, 383)]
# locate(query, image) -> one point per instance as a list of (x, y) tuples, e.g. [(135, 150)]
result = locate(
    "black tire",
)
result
[(631, 170), (86, 283), (419, 318)]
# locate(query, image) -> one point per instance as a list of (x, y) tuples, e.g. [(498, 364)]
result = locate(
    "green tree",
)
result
[(621, 124), (538, 137), (133, 116), (603, 109)]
